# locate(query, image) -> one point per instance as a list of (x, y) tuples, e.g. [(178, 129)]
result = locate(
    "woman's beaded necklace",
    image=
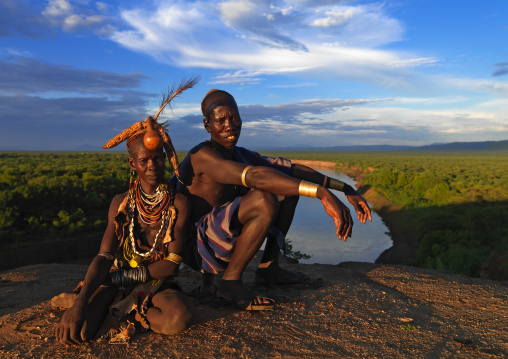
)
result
[(151, 208)]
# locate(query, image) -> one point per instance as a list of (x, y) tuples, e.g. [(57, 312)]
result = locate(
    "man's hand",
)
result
[(339, 213), (361, 207), (71, 329)]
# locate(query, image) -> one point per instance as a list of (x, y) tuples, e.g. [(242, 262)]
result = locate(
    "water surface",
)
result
[(313, 232)]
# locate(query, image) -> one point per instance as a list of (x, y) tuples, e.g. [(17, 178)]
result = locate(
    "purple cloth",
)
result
[(216, 240), (252, 158)]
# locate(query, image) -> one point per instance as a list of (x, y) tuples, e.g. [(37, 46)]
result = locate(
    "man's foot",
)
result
[(278, 275), (235, 292)]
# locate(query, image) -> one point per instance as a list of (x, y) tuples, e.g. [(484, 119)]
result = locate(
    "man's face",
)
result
[(149, 164), (225, 124)]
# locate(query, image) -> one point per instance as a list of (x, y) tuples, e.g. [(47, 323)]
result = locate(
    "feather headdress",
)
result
[(151, 123)]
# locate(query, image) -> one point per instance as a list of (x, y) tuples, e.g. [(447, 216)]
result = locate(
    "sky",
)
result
[(305, 73)]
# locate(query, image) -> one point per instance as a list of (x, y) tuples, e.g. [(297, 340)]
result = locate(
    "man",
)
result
[(236, 205), (144, 238)]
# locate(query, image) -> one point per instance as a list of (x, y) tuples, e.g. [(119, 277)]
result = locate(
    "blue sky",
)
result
[(73, 73)]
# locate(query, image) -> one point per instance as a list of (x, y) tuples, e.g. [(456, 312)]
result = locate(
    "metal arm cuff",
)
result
[(244, 174), (308, 189), (175, 258), (336, 184)]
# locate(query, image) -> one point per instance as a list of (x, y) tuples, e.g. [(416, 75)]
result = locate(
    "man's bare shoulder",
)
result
[(203, 158), (204, 152)]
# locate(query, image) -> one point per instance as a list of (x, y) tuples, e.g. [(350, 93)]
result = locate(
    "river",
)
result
[(313, 232)]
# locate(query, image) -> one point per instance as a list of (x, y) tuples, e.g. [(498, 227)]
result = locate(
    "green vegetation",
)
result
[(291, 253), (55, 195), (408, 327), (458, 200)]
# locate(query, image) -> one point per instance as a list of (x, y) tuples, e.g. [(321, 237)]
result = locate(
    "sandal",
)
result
[(236, 293)]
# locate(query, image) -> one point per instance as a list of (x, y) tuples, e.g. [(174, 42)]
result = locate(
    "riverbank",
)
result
[(403, 231)]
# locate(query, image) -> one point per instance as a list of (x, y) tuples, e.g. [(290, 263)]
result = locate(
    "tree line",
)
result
[(48, 195), (458, 200)]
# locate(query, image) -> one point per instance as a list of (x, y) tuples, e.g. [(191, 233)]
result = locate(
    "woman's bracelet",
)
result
[(129, 277), (106, 255), (175, 258)]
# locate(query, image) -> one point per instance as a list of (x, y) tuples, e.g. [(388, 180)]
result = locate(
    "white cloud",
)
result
[(477, 85), (237, 10), (334, 18), (266, 38), (71, 18)]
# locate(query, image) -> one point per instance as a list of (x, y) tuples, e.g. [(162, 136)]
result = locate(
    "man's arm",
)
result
[(309, 174), (359, 203), (70, 330), (206, 161)]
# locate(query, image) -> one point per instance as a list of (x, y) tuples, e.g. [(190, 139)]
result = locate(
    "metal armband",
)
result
[(336, 184), (175, 258), (308, 189), (129, 277), (244, 174)]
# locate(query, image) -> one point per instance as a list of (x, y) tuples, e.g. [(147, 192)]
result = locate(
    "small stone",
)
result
[(405, 320)]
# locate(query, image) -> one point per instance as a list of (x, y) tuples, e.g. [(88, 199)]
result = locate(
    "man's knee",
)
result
[(264, 202)]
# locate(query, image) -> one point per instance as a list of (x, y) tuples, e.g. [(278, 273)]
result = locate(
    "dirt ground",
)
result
[(351, 310)]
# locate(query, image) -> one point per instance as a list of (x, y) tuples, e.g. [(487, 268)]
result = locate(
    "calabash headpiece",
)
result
[(155, 134)]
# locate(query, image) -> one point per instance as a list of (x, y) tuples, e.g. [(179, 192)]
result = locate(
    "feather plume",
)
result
[(173, 92), (125, 135), (166, 100)]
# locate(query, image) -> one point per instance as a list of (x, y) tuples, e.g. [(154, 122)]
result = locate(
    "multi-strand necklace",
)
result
[(151, 206), (151, 209)]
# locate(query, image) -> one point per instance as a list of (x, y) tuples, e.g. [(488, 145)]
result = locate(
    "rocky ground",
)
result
[(351, 310)]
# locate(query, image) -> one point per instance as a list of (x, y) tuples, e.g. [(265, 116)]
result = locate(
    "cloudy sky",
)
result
[(73, 73)]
